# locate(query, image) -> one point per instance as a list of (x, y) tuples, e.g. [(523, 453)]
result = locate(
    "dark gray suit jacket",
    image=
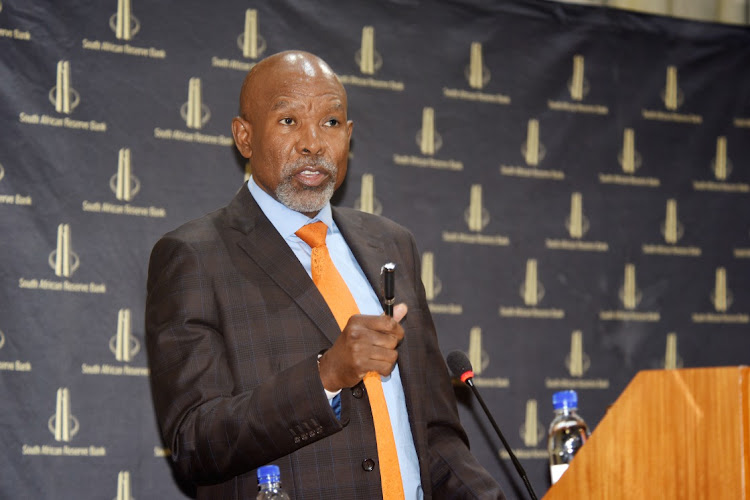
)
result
[(233, 328)]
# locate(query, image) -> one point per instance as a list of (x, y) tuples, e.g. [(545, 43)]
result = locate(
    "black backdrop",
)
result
[(577, 180)]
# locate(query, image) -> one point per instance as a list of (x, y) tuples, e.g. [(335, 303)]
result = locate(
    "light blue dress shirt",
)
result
[(287, 222)]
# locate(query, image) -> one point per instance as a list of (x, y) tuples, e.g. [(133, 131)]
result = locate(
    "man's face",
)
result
[(299, 140)]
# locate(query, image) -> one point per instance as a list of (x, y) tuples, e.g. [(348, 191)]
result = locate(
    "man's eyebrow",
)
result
[(280, 104)]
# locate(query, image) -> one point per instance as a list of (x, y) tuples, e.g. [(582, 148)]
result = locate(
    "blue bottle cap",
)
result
[(269, 474), (565, 400)]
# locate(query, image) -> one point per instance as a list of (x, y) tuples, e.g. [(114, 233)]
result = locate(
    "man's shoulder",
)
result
[(209, 226), (200, 229), (369, 221)]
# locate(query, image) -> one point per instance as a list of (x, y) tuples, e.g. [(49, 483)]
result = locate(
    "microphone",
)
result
[(460, 367)]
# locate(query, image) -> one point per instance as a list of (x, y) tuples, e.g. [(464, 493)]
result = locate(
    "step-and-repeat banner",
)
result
[(577, 180)]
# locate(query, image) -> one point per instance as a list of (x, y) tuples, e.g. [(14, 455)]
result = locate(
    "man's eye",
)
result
[(287, 121), (332, 122)]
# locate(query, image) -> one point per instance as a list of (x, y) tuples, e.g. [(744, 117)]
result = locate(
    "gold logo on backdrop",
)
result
[(430, 280), (63, 259), (250, 41), (672, 360), (631, 297), (630, 160), (429, 142), (475, 215), (531, 290), (367, 201), (63, 424), (721, 166), (124, 184), (367, 58), (194, 112), (433, 286), (533, 150), (123, 22), (578, 85), (428, 139), (478, 357), (671, 228), (673, 98), (480, 360), (476, 72), (369, 62), (478, 76), (721, 298), (248, 170), (1, 6), (2, 339), (124, 345), (671, 94), (577, 362), (629, 293), (532, 432), (2, 172), (63, 96), (576, 223), (123, 486)]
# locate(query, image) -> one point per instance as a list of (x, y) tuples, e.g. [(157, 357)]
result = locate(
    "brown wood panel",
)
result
[(679, 434)]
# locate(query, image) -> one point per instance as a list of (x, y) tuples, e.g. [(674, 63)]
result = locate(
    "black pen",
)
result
[(389, 288)]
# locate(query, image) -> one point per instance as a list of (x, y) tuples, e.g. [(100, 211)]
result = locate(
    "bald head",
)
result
[(292, 67)]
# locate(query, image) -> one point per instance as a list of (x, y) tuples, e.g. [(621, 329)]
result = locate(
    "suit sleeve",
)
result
[(215, 430), (453, 471)]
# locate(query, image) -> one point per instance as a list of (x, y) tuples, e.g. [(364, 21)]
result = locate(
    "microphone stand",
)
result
[(516, 463)]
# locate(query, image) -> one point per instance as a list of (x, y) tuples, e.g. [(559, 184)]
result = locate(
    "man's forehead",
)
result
[(328, 101), (290, 80)]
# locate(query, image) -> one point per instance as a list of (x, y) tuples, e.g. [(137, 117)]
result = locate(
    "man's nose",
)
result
[(309, 142)]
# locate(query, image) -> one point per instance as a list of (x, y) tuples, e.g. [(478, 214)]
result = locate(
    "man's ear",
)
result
[(242, 132)]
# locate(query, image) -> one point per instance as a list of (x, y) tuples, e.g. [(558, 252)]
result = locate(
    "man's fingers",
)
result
[(399, 311), (384, 354), (381, 367)]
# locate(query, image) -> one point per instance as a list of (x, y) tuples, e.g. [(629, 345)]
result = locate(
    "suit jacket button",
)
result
[(358, 391), (368, 464)]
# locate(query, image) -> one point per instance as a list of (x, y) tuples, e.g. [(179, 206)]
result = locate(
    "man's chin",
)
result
[(306, 200)]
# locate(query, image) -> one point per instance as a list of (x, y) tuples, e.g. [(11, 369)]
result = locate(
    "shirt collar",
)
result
[(284, 219)]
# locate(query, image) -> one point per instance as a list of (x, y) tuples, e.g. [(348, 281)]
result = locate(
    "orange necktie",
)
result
[(339, 299)]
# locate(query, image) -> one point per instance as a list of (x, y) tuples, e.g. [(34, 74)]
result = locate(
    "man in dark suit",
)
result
[(249, 365)]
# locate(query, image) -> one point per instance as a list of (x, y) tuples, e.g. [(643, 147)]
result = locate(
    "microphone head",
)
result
[(460, 366)]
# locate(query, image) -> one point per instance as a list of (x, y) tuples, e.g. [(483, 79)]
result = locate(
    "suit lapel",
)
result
[(257, 237), (372, 249), (365, 244)]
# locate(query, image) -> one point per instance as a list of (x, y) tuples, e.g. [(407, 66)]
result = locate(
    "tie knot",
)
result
[(313, 234)]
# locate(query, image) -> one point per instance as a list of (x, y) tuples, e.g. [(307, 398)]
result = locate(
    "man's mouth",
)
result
[(311, 176)]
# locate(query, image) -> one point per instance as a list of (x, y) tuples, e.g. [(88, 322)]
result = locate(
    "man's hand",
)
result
[(367, 344)]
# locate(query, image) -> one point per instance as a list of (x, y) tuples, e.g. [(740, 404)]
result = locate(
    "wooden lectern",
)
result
[(672, 434)]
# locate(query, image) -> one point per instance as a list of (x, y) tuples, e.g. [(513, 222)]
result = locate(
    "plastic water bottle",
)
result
[(567, 433), (269, 484)]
